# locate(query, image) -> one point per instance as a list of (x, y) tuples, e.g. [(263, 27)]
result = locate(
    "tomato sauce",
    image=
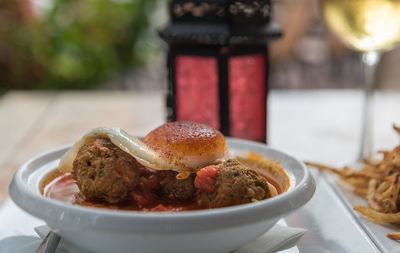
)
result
[(63, 187)]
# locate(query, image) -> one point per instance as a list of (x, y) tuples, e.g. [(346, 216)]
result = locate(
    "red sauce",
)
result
[(63, 187)]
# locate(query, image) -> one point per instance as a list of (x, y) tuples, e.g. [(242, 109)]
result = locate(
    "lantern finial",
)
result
[(220, 22)]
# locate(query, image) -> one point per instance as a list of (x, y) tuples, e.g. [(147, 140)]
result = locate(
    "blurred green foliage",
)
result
[(75, 44)]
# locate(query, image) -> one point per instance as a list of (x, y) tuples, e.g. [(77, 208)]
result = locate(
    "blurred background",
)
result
[(113, 44), (72, 44)]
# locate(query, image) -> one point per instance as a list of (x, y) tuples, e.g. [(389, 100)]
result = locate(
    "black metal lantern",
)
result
[(218, 65)]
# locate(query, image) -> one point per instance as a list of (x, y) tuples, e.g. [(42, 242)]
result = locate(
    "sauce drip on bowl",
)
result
[(62, 188)]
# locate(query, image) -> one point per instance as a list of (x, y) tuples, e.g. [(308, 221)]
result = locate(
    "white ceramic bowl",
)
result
[(213, 230)]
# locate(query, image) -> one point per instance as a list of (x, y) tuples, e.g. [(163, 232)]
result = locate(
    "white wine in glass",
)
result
[(371, 27), (364, 25)]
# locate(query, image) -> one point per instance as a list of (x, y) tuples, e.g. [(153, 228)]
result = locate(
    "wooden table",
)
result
[(31, 123), (322, 126)]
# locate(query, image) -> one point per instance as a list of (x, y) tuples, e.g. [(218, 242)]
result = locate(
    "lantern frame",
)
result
[(221, 29)]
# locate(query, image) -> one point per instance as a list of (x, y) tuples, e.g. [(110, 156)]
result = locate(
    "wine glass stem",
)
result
[(370, 61)]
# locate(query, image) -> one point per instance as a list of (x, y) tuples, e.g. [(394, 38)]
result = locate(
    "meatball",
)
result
[(229, 183), (105, 172), (173, 188)]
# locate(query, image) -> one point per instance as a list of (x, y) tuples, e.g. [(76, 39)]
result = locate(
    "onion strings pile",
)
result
[(379, 183)]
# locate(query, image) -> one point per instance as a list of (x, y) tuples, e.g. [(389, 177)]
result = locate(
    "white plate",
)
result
[(214, 230), (376, 232)]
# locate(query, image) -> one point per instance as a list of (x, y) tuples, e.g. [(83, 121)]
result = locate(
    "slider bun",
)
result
[(191, 144)]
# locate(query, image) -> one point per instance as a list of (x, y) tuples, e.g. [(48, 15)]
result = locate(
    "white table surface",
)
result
[(324, 126)]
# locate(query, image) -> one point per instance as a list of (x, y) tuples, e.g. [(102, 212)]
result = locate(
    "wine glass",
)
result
[(371, 27)]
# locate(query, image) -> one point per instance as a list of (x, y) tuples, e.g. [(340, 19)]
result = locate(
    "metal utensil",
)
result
[(49, 244)]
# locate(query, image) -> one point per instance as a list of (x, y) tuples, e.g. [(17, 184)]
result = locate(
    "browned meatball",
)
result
[(103, 171), (229, 183), (173, 188)]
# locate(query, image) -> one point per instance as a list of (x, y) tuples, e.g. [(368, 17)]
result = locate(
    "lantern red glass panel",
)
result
[(247, 97), (218, 64), (197, 90)]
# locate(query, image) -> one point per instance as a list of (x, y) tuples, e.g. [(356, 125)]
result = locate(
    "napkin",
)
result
[(276, 239)]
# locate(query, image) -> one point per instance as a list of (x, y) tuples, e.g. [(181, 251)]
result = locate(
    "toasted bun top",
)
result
[(192, 144)]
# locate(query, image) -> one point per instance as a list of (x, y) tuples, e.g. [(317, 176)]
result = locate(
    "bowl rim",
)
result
[(57, 212)]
